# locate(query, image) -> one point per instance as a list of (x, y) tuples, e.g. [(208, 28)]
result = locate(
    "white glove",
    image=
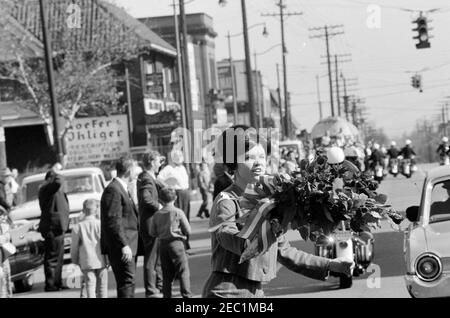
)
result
[(127, 254), (342, 265)]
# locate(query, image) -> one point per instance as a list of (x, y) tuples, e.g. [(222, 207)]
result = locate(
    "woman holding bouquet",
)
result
[(229, 277)]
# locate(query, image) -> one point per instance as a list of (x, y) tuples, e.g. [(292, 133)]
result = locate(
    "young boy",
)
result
[(172, 228), (85, 251)]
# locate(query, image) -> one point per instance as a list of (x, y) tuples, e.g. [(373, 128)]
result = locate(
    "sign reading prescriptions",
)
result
[(98, 139)]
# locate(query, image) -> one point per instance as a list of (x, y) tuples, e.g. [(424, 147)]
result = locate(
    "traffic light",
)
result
[(416, 82), (422, 32)]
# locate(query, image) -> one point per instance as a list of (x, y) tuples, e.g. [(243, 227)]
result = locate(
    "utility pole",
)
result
[(51, 84), (446, 117), (337, 85), (327, 35), (258, 97), (329, 72), (318, 98), (233, 80), (187, 90), (179, 66), (336, 61), (444, 126), (345, 97), (248, 69), (282, 16), (185, 64), (354, 113), (283, 131)]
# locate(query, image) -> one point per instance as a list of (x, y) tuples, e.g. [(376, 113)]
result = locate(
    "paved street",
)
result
[(388, 261)]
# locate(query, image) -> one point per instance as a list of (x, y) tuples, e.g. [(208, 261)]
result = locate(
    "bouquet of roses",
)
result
[(313, 201)]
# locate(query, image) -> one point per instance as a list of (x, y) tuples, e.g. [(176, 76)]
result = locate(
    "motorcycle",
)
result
[(393, 164), (407, 170), (379, 173), (348, 244)]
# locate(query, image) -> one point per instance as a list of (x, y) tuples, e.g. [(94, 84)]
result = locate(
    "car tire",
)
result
[(25, 284)]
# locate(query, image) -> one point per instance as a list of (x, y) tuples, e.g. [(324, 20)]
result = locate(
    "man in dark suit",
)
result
[(119, 228), (53, 224), (148, 200)]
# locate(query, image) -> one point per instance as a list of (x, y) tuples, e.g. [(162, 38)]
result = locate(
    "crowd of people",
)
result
[(8, 198), (145, 211)]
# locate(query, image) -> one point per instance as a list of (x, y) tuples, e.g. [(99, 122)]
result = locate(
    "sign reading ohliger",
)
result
[(97, 139)]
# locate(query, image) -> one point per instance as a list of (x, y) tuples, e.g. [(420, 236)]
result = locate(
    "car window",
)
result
[(30, 190), (72, 184), (440, 201), (78, 184)]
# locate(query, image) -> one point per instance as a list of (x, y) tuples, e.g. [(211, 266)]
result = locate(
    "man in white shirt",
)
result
[(176, 176)]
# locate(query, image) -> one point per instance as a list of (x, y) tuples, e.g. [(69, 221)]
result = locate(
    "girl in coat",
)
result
[(228, 278)]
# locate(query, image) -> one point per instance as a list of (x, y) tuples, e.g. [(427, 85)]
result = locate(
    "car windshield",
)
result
[(72, 184), (440, 202)]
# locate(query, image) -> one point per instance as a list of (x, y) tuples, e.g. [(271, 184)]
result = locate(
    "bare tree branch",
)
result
[(30, 89)]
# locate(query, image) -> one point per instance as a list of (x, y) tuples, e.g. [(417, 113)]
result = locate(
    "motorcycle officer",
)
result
[(443, 151), (407, 151), (393, 152), (376, 157)]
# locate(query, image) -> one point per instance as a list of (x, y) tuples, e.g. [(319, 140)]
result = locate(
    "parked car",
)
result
[(79, 184), (29, 254), (426, 245)]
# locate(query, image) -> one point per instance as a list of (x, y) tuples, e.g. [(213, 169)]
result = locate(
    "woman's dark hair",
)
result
[(238, 138)]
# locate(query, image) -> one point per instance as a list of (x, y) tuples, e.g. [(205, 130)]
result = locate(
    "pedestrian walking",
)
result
[(148, 198), (6, 250), (229, 277), (204, 181), (86, 251), (54, 223), (119, 228), (172, 228)]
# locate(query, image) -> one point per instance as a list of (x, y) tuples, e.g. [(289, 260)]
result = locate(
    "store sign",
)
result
[(98, 139), (153, 106)]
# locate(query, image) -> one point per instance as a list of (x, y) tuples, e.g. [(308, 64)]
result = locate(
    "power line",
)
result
[(282, 16), (326, 34)]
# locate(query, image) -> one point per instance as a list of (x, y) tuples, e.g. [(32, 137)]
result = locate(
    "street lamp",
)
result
[(260, 106), (248, 67)]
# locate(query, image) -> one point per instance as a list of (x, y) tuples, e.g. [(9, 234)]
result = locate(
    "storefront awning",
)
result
[(15, 115)]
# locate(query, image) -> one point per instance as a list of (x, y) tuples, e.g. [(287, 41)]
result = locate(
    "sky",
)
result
[(378, 35)]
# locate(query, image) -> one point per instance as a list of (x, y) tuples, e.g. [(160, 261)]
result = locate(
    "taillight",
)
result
[(428, 267)]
